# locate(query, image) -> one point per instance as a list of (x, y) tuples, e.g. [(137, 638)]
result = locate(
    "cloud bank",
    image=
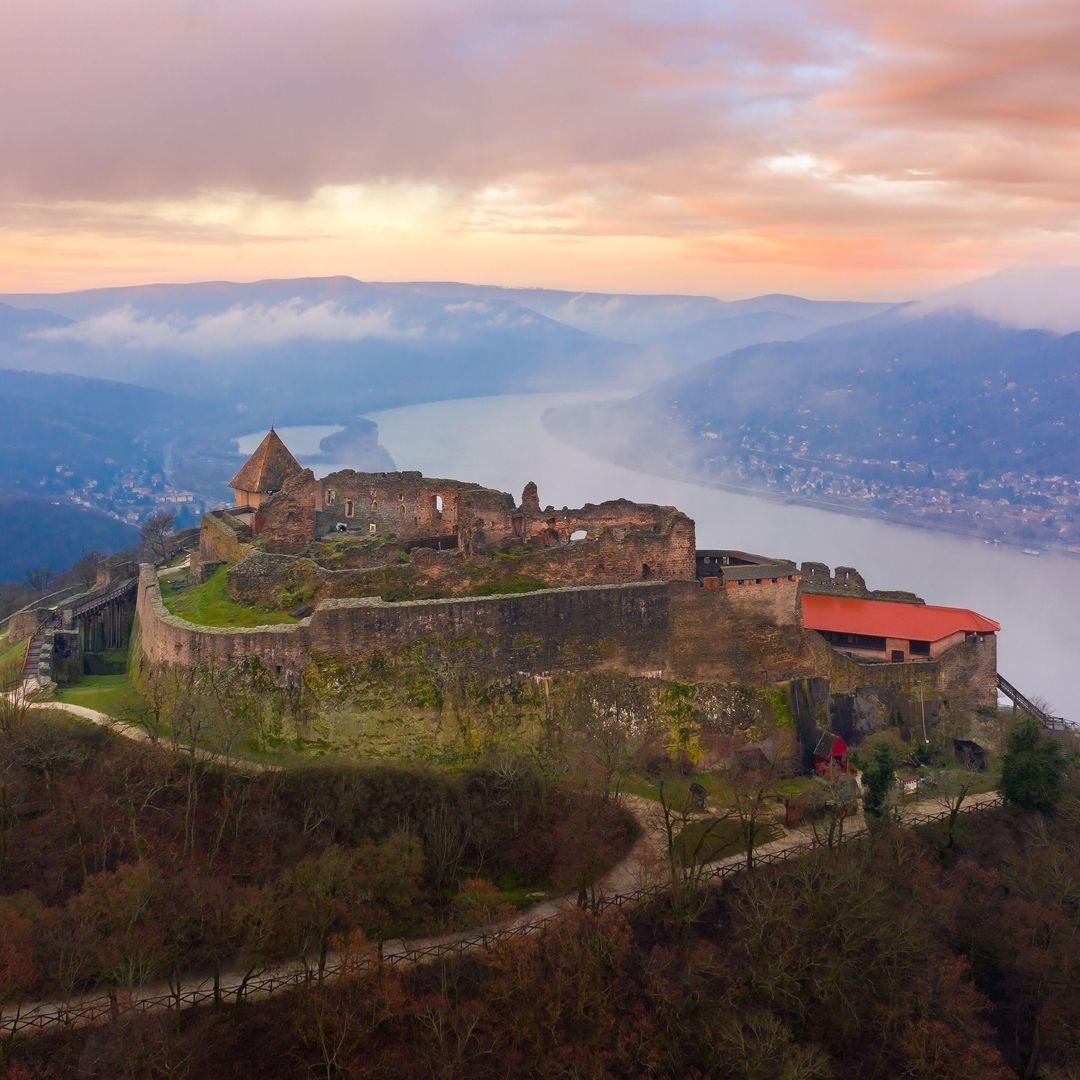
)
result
[(238, 327), (1030, 298)]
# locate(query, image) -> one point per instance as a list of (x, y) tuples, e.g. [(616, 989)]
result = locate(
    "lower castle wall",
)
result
[(676, 628), (626, 627), (965, 677)]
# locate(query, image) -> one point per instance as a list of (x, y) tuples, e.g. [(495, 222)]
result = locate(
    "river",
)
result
[(501, 442)]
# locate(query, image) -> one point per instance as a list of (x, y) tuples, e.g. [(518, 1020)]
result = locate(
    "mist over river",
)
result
[(501, 442)]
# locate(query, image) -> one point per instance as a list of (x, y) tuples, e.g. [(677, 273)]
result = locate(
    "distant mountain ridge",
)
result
[(454, 340), (928, 413)]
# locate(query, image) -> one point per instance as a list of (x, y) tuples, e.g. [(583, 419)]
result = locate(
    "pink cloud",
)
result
[(121, 98), (862, 132)]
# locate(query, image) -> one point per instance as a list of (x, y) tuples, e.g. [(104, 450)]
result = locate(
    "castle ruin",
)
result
[(417, 575)]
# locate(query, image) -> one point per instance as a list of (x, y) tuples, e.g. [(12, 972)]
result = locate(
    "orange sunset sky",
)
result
[(826, 147)]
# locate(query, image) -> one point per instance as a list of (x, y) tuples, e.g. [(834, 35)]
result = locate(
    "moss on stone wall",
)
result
[(783, 717)]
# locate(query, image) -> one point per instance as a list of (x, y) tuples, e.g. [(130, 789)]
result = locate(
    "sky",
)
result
[(825, 147)]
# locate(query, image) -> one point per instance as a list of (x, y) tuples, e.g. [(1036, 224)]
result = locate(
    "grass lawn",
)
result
[(716, 785), (209, 604), (724, 838), (11, 652), (111, 694)]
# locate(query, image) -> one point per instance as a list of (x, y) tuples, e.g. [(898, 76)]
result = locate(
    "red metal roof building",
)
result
[(889, 629)]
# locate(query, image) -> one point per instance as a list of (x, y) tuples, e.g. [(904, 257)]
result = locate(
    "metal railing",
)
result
[(1054, 723)]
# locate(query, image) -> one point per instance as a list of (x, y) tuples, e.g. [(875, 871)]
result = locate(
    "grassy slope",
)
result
[(724, 838), (110, 694), (209, 604), (11, 652)]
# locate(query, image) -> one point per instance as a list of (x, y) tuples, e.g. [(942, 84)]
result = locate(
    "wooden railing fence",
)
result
[(107, 1007)]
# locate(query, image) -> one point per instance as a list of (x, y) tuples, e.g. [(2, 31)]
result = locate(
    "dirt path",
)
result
[(626, 876), (138, 734), (642, 867)]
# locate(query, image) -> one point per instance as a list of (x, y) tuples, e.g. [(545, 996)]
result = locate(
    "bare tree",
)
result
[(39, 579), (751, 791), (86, 569), (953, 786), (156, 535), (446, 839), (14, 700), (689, 843), (831, 804)]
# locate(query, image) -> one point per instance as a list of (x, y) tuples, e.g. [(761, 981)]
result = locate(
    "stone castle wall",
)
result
[(847, 581), (407, 504), (286, 522), (223, 539), (623, 626), (964, 678), (597, 543), (673, 628)]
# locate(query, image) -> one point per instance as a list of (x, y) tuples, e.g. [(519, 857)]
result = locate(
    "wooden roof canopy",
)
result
[(268, 467), (890, 618)]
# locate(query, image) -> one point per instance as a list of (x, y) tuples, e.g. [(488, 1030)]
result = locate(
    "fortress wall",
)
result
[(847, 581), (748, 635), (774, 598), (223, 540), (24, 623), (166, 639), (626, 627), (678, 630), (286, 520), (613, 555), (622, 626), (403, 504), (664, 536), (965, 677)]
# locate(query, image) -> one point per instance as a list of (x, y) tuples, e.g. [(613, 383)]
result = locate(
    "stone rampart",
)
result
[(23, 624), (673, 628), (964, 677), (626, 627), (222, 539), (380, 665), (750, 635)]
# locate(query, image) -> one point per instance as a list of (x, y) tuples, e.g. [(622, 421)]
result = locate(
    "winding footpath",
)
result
[(639, 875)]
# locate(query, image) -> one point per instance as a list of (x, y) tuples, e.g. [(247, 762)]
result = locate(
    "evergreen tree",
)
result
[(1033, 769), (878, 778)]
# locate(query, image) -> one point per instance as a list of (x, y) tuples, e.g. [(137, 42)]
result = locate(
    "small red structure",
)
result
[(831, 753)]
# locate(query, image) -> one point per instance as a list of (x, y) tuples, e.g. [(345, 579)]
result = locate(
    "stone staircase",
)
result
[(37, 663), (36, 669)]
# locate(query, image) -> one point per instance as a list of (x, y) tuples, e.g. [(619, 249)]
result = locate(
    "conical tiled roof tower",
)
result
[(265, 471)]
